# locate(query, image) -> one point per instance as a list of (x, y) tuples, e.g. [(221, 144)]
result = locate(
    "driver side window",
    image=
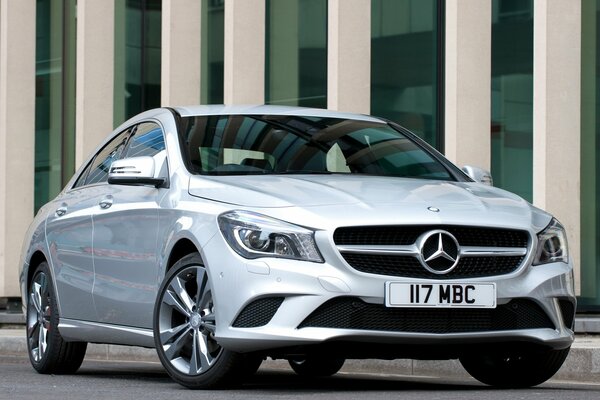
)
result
[(144, 139), (97, 170), (147, 140)]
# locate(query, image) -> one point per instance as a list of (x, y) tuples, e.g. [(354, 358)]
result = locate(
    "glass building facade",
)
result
[(512, 96), (296, 53), (54, 97), (212, 57), (137, 57), (589, 299), (407, 65), (406, 84)]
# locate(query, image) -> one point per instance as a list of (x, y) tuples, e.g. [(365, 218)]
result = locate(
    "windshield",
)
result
[(244, 145)]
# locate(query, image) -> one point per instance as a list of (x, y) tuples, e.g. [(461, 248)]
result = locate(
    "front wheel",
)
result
[(185, 326), (48, 352), (514, 368)]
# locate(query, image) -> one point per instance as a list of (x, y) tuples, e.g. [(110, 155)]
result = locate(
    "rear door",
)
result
[(69, 229)]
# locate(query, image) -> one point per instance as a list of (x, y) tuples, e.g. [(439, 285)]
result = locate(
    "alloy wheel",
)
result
[(38, 316), (186, 322)]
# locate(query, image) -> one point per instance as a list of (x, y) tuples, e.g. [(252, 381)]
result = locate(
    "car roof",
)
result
[(220, 109)]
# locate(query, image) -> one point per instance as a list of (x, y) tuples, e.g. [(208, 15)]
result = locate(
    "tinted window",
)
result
[(146, 141), (228, 145), (81, 179), (99, 168)]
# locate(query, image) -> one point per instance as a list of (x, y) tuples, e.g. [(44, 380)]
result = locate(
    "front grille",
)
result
[(409, 266), (258, 313), (353, 313)]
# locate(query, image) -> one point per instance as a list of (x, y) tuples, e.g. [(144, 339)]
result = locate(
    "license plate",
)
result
[(428, 294)]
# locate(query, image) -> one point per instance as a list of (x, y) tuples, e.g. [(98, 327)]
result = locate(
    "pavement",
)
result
[(582, 364)]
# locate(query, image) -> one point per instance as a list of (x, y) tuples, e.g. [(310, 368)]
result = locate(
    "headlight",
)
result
[(253, 235), (552, 244)]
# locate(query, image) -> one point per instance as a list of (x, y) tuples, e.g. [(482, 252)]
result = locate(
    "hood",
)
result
[(352, 195)]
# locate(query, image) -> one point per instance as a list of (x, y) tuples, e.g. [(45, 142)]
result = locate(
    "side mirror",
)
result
[(134, 171), (478, 175)]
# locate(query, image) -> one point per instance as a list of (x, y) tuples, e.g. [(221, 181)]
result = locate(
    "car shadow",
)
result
[(282, 381), (274, 380)]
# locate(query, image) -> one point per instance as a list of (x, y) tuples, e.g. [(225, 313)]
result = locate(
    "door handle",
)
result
[(62, 210), (106, 202)]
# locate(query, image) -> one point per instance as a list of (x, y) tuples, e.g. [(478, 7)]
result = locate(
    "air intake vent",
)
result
[(353, 313), (258, 313)]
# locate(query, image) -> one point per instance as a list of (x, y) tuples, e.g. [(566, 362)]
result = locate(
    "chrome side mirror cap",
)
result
[(478, 175), (134, 171)]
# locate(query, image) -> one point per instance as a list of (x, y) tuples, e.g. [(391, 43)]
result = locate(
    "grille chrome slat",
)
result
[(495, 252), (383, 249), (412, 250)]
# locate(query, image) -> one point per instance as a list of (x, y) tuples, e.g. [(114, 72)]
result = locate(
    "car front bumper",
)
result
[(269, 304)]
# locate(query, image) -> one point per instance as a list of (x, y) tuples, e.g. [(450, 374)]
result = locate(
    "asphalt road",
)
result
[(99, 380)]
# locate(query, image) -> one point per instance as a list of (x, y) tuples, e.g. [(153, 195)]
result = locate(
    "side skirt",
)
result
[(73, 330)]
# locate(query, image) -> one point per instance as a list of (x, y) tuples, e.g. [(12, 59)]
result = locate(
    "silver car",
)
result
[(224, 235)]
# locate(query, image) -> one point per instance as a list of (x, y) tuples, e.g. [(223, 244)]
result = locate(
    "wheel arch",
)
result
[(36, 259), (182, 248)]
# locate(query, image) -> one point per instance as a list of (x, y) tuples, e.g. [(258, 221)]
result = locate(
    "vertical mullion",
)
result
[(64, 86), (440, 74), (143, 56)]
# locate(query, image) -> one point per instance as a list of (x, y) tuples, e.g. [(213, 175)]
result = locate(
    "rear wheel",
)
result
[(518, 368), (48, 352), (315, 366), (185, 326)]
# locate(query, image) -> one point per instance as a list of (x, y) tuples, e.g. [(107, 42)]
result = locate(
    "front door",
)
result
[(125, 240)]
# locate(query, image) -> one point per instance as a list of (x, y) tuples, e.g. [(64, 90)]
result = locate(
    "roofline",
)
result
[(250, 109)]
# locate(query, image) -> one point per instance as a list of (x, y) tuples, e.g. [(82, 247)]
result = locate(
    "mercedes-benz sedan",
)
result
[(225, 235)]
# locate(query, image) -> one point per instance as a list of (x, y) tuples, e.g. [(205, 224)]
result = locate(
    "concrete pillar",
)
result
[(556, 114), (180, 56), (349, 55), (95, 75), (17, 134), (468, 82), (244, 69)]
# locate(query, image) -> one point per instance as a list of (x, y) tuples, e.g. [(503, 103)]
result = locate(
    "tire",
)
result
[(184, 327), (48, 352), (519, 368), (313, 366)]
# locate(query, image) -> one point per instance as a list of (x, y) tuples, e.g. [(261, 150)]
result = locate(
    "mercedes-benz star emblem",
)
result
[(439, 251)]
